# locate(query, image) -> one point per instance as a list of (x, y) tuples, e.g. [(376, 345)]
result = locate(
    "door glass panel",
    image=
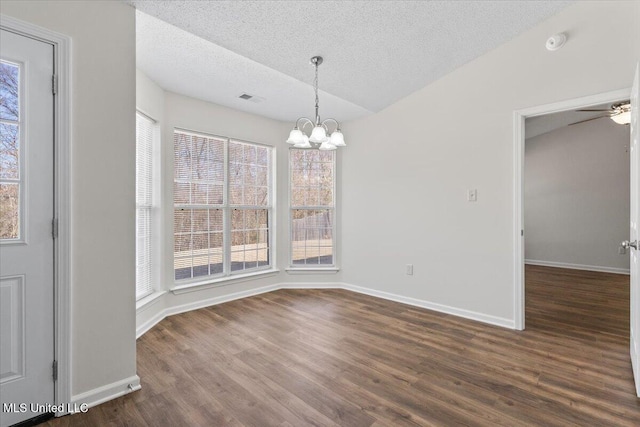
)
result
[(9, 90), (10, 176), (9, 211), (9, 151)]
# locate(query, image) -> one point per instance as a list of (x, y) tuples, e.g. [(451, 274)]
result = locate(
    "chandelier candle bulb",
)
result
[(303, 142), (337, 139), (295, 136), (326, 146), (320, 128), (318, 135)]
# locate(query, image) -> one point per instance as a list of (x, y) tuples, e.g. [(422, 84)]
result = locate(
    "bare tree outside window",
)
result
[(207, 244), (10, 185), (312, 207)]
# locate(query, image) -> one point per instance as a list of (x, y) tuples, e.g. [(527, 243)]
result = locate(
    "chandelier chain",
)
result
[(315, 82), (322, 137)]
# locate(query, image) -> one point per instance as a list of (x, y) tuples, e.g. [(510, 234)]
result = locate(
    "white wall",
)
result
[(403, 176), (576, 190), (418, 159), (406, 170), (149, 97), (102, 173)]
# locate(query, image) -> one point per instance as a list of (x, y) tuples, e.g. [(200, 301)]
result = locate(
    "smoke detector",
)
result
[(556, 41)]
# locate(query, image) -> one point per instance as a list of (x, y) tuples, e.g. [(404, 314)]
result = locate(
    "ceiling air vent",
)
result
[(252, 98)]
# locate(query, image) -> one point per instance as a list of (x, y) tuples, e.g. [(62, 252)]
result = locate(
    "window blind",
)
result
[(222, 206), (145, 130), (312, 207)]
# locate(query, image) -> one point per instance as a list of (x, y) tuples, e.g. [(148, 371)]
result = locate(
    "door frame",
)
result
[(62, 199), (519, 117)]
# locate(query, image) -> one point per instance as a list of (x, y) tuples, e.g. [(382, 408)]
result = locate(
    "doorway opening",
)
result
[(557, 115), (576, 213)]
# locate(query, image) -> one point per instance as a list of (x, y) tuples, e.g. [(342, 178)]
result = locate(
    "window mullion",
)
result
[(226, 214), (211, 162)]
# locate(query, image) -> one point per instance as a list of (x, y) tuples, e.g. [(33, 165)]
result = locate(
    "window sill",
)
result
[(143, 303), (307, 270), (222, 281)]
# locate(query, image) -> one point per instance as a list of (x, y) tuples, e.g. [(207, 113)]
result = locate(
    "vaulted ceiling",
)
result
[(375, 52)]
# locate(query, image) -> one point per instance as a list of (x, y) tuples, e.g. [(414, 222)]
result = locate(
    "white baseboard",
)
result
[(170, 311), (312, 285), (107, 392), (467, 314), (598, 268), (153, 321)]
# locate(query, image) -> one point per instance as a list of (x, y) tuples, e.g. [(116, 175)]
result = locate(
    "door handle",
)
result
[(627, 244)]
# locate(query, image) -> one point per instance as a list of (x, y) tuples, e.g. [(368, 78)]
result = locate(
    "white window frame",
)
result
[(226, 207), (152, 207), (313, 267), (21, 181)]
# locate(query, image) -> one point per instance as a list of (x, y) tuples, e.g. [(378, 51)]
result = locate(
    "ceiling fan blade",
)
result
[(588, 120), (592, 110)]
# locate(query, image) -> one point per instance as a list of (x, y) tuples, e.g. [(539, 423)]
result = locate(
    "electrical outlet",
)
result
[(409, 269), (472, 195)]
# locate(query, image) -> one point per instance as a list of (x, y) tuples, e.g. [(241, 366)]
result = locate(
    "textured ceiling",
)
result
[(376, 52)]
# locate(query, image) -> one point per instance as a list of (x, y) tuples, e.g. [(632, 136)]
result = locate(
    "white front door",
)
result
[(26, 241), (634, 230)]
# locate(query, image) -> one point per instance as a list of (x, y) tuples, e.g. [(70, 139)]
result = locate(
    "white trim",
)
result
[(313, 285), (144, 303), (222, 281), (467, 314), (227, 207), (153, 321), (292, 268), (170, 311), (519, 117), (22, 123), (62, 202), (329, 270), (107, 392), (585, 267)]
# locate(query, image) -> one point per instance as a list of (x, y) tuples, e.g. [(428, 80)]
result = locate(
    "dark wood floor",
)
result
[(333, 357)]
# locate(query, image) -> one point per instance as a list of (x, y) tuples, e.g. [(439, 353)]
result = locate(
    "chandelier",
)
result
[(320, 129)]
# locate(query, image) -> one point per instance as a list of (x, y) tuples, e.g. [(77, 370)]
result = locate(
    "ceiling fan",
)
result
[(619, 112)]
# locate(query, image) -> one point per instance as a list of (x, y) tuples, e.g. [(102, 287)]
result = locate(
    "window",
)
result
[(222, 206), (11, 162), (312, 215), (146, 133)]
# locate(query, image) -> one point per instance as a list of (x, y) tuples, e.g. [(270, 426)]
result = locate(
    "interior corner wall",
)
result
[(196, 115), (172, 111), (576, 196), (149, 97), (103, 349), (192, 114), (407, 169)]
